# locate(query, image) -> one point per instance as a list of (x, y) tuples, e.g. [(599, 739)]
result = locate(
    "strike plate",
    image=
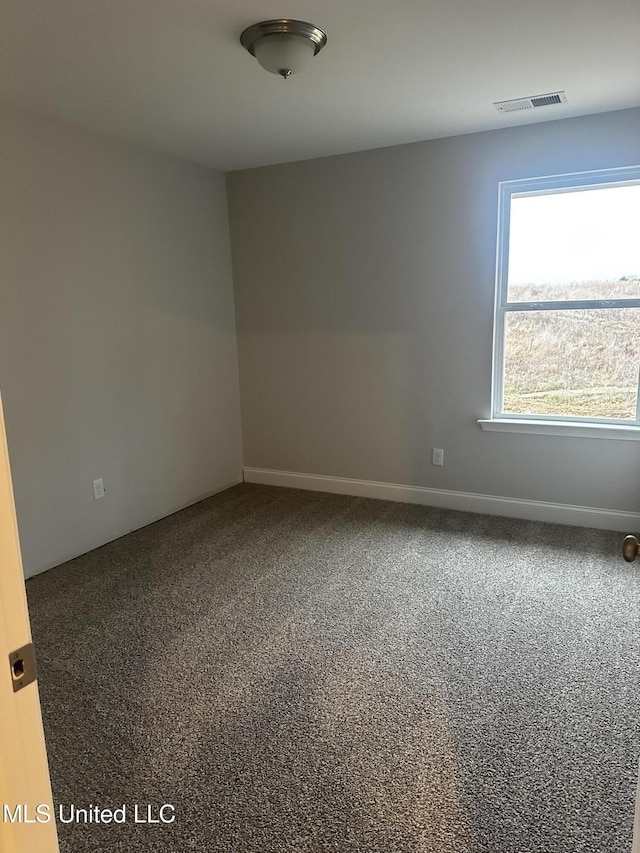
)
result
[(22, 663)]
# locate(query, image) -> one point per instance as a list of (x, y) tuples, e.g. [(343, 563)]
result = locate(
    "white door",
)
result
[(27, 820)]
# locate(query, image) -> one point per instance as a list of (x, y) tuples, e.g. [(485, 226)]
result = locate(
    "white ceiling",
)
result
[(171, 74)]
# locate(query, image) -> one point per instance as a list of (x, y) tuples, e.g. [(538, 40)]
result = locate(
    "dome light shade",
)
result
[(283, 46), (284, 54)]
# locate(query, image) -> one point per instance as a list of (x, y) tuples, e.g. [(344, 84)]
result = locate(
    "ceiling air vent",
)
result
[(531, 102)]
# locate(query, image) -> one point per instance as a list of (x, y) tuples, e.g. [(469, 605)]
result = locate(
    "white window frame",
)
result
[(541, 424)]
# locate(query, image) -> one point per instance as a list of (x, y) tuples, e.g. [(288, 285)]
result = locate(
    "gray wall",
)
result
[(117, 339), (364, 297)]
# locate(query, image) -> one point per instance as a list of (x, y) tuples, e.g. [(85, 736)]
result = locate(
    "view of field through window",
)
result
[(574, 246)]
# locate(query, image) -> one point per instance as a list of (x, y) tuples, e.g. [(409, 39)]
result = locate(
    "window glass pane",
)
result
[(580, 244), (580, 363)]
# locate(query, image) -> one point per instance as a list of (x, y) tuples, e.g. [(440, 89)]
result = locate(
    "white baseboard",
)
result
[(580, 516)]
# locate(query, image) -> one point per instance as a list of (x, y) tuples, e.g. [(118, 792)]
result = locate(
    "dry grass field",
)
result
[(583, 363)]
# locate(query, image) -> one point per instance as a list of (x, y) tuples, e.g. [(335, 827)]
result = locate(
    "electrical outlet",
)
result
[(98, 489), (437, 456)]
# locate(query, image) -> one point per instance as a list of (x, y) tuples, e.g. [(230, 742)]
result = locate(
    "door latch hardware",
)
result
[(22, 663)]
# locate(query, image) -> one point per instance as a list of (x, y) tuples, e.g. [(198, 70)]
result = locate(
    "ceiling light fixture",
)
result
[(283, 46)]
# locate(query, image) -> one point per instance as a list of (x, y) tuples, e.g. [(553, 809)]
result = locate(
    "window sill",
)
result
[(565, 428)]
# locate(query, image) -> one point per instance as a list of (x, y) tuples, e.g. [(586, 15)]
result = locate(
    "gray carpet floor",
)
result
[(297, 671)]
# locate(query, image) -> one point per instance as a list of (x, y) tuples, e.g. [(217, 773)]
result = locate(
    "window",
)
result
[(567, 319)]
